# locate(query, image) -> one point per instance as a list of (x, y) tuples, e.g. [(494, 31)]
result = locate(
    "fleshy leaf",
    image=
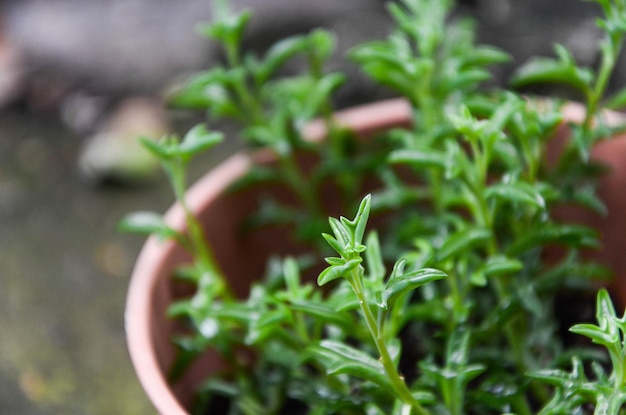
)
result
[(292, 274), (562, 70), (401, 282), (516, 192), (501, 265), (618, 100), (486, 55), (337, 271), (552, 233), (374, 258), (157, 148), (320, 94), (278, 54), (462, 241), (342, 234), (340, 358), (321, 312), (361, 219), (147, 223), (197, 140), (419, 158)]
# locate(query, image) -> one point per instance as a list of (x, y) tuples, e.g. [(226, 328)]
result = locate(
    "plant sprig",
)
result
[(273, 107), (347, 242), (574, 389)]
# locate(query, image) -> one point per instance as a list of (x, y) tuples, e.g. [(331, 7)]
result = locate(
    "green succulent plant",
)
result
[(464, 321)]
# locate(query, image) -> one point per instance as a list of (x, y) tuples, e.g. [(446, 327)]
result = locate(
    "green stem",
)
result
[(397, 381), (301, 329), (622, 370), (249, 106), (606, 67), (299, 184), (197, 237), (513, 333), (617, 361), (453, 283)]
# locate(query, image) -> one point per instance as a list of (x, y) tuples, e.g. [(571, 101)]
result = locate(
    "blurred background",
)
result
[(79, 80)]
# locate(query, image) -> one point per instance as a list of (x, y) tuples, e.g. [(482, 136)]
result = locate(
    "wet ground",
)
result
[(64, 271)]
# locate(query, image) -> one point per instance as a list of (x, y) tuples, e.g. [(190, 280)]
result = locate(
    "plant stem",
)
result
[(197, 238), (396, 380), (300, 185), (514, 334), (606, 68), (609, 57)]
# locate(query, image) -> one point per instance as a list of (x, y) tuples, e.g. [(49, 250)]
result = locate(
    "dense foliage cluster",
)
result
[(449, 308)]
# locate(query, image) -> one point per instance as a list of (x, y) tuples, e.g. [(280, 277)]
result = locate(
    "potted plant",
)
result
[(474, 219)]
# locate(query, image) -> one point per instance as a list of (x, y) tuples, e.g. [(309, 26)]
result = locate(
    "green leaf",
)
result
[(267, 324), (495, 266), (211, 90), (588, 198), (322, 44), (188, 350), (342, 234), (457, 349), (181, 308), (160, 148), (292, 275), (572, 273), (576, 236), (222, 387), (374, 259), (500, 265), (277, 55), (343, 298), (468, 78), (188, 273), (322, 313), (551, 376), (462, 241), (334, 243), (147, 223), (485, 55), (319, 95), (193, 93), (564, 70), (420, 158), (510, 106), (339, 358), (401, 282), (234, 312), (337, 271), (361, 218), (617, 101), (604, 306), (334, 261), (607, 333), (228, 27), (516, 192), (198, 139), (388, 64), (595, 333), (349, 233)]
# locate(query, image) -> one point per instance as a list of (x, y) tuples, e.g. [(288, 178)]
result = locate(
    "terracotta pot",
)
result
[(152, 289)]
